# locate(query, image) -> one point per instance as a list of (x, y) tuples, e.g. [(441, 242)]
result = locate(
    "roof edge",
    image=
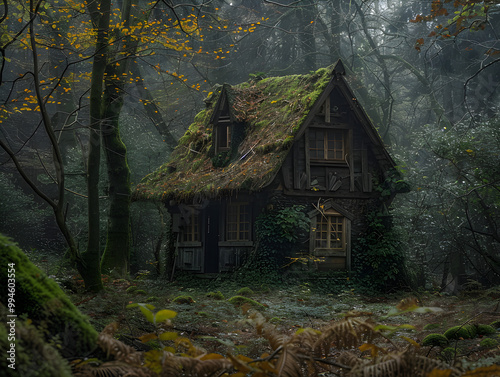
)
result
[(338, 68)]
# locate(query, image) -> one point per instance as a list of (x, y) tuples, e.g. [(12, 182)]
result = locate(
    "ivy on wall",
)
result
[(278, 234), (378, 256)]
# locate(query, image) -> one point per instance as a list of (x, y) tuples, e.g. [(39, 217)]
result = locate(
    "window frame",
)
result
[(324, 148), (330, 208), (223, 133), (192, 230), (332, 223), (238, 223)]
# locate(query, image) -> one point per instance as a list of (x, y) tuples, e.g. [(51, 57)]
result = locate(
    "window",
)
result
[(330, 231), (223, 136), (238, 222), (326, 144), (191, 231)]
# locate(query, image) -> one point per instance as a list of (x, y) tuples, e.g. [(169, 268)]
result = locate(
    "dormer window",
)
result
[(327, 144), (223, 136)]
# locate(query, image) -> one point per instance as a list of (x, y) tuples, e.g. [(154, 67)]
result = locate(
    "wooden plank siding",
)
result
[(328, 168)]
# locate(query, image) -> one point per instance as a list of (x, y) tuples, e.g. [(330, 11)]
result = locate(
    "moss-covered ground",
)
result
[(212, 319), (215, 322)]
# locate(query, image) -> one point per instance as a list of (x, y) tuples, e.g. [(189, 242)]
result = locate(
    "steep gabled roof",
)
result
[(271, 113)]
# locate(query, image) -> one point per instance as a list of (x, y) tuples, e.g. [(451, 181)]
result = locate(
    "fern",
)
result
[(188, 366), (406, 364), (347, 333), (117, 349), (307, 352), (110, 369)]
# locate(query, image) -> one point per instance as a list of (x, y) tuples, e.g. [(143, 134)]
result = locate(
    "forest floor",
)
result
[(206, 316)]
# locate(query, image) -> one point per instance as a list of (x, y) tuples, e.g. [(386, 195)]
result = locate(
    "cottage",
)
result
[(270, 143)]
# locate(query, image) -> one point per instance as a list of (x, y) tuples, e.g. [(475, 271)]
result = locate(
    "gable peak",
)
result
[(338, 68)]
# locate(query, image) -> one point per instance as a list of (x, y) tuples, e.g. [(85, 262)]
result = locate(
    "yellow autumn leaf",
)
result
[(492, 370), (440, 373), (146, 310), (370, 347), (168, 335), (211, 356), (147, 337), (164, 314)]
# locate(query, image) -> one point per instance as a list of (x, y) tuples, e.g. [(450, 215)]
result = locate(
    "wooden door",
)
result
[(212, 237)]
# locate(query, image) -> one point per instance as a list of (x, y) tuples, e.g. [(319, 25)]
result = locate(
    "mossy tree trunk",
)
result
[(117, 252), (100, 14)]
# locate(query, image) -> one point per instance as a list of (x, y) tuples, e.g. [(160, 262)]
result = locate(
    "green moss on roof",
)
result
[(272, 111)]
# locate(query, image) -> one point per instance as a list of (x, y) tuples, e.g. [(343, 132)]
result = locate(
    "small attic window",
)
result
[(223, 136)]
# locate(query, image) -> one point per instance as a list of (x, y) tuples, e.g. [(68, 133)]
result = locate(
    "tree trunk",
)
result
[(117, 253), (100, 14)]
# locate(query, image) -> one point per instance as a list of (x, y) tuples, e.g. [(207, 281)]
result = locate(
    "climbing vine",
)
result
[(378, 255), (278, 232)]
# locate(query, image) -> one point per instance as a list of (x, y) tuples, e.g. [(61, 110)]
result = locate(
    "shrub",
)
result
[(131, 289), (433, 340), (448, 353), (495, 324), (183, 300), (379, 260), (140, 292), (245, 291), (216, 295), (472, 330), (472, 286), (457, 332), (241, 300), (431, 326), (485, 330), (488, 343)]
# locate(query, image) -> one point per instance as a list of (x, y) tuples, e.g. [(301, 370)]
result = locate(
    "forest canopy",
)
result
[(124, 80)]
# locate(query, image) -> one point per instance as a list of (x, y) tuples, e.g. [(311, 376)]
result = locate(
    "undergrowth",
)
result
[(357, 344)]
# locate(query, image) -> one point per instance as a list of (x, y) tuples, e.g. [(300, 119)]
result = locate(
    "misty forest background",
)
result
[(82, 80)]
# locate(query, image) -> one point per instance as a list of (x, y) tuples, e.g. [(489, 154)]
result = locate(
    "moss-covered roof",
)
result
[(270, 112)]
